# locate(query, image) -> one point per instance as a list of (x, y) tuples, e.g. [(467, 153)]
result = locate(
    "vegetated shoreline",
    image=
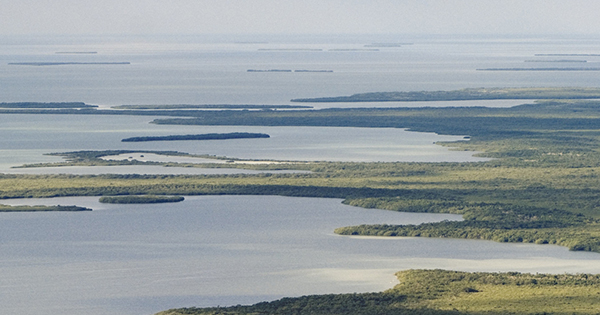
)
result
[(99, 158), (207, 136), (441, 292), (463, 95)]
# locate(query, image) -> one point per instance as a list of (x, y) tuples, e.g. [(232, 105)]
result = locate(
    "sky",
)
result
[(38, 17)]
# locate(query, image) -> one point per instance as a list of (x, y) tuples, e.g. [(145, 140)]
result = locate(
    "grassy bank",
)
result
[(438, 292)]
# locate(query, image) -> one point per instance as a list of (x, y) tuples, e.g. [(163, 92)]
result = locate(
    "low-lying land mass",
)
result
[(128, 157), (582, 55), (7, 208), (556, 60), (44, 63), (141, 199), (206, 136), (542, 69), (46, 105), (76, 52), (438, 292), (210, 106), (465, 94)]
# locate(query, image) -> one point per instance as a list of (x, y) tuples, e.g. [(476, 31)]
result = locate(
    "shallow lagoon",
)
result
[(223, 250), (27, 137)]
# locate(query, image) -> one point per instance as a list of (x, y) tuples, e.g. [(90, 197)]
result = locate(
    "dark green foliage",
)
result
[(465, 94), (141, 199), (207, 136), (438, 292), (46, 105), (332, 304), (7, 208), (215, 106)]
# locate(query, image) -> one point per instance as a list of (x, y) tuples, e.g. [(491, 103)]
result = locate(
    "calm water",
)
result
[(213, 70), (206, 251), (27, 137), (216, 250)]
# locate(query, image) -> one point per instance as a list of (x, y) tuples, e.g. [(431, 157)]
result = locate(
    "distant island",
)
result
[(211, 106), (582, 55), (539, 69), (287, 70), (8, 208), (207, 136), (464, 95), (387, 45), (27, 105), (65, 63), (559, 60), (313, 70), (76, 52), (269, 70), (290, 49), (353, 49), (140, 199)]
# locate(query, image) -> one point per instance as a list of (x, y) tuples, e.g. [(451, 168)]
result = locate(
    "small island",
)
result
[(8, 208), (540, 69), (27, 105), (210, 106), (65, 63), (269, 70), (76, 52), (387, 45), (353, 49), (556, 60), (206, 136), (141, 199), (569, 55), (313, 70)]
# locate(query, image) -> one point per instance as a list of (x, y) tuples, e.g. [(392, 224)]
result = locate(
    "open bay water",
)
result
[(224, 250), (213, 69)]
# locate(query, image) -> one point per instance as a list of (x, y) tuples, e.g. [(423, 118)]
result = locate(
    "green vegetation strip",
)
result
[(7, 208), (465, 94), (27, 105), (437, 292), (141, 199), (210, 106), (206, 136)]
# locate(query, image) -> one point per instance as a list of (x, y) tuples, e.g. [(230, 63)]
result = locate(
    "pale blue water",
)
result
[(213, 70), (27, 137), (206, 251), (223, 250)]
